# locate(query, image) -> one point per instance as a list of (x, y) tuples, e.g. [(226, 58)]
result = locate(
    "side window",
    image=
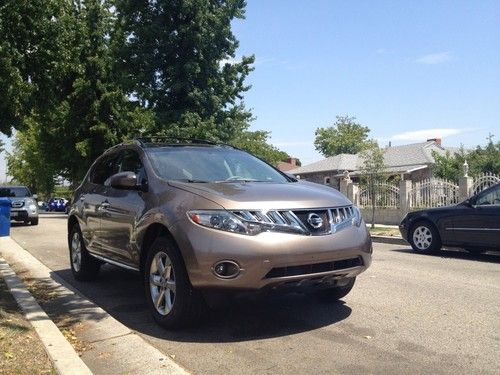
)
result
[(105, 168), (491, 197), (131, 162)]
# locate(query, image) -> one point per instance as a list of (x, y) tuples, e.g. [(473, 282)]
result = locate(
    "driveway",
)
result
[(407, 313)]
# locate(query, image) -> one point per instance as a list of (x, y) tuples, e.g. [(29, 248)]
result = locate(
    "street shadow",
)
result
[(249, 316), (454, 253)]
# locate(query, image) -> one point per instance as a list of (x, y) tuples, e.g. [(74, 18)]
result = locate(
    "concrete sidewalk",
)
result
[(107, 346)]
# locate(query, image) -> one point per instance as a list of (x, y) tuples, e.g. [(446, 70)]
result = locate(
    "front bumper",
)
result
[(273, 259), (23, 215)]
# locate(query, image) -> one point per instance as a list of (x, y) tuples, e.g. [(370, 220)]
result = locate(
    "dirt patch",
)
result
[(385, 231), (21, 351)]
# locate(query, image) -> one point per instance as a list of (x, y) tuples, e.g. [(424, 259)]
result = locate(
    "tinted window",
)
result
[(491, 197), (105, 168), (131, 162), (17, 192), (211, 164)]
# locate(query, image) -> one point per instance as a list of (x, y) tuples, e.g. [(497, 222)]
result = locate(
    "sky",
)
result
[(409, 70)]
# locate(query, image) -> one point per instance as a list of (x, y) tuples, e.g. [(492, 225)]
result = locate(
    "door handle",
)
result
[(82, 198)]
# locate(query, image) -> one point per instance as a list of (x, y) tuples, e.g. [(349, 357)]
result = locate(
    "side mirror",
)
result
[(125, 181), (35, 196)]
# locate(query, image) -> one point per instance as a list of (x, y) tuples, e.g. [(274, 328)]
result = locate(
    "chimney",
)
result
[(292, 161), (435, 140)]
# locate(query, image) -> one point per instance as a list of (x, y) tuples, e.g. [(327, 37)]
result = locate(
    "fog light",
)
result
[(226, 269)]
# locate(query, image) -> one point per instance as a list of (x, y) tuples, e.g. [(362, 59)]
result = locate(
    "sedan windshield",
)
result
[(14, 192), (211, 164)]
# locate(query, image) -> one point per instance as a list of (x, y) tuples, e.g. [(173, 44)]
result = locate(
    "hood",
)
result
[(266, 196)]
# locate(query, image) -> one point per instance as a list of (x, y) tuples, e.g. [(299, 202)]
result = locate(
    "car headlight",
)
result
[(224, 220), (357, 219)]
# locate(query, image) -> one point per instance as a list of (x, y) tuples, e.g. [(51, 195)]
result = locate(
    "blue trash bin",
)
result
[(4, 217)]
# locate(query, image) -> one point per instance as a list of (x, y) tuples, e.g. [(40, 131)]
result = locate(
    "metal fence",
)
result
[(386, 196), (484, 181), (433, 192)]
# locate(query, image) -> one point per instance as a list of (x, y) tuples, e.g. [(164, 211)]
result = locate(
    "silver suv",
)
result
[(194, 216), (23, 204)]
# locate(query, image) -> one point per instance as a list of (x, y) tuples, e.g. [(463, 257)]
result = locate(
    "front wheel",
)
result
[(169, 294), (83, 266), (424, 238), (34, 221)]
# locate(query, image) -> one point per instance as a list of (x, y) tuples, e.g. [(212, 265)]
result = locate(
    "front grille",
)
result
[(314, 222), (314, 268), (17, 204)]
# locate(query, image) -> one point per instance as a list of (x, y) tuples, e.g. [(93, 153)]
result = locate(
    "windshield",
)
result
[(17, 192), (210, 164)]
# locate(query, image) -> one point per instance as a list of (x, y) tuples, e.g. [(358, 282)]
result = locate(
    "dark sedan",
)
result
[(473, 225)]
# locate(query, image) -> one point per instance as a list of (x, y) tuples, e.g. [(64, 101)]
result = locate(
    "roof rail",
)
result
[(142, 141)]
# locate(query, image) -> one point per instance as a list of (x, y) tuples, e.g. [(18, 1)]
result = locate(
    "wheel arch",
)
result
[(152, 232)]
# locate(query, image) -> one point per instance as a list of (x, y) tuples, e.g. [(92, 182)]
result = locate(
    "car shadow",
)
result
[(453, 253), (251, 316)]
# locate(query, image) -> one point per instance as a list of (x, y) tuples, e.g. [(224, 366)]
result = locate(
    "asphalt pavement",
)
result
[(409, 313)]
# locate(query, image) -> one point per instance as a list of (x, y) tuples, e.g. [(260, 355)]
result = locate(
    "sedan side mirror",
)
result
[(125, 181), (35, 197)]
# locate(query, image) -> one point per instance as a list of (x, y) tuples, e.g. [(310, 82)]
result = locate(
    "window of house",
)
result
[(327, 181)]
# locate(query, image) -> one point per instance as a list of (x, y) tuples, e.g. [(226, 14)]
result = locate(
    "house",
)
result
[(288, 164), (411, 162)]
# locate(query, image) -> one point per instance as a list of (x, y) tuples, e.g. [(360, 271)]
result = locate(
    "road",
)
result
[(409, 313)]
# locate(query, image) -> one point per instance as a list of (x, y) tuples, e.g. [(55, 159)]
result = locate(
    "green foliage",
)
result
[(77, 76), (346, 136), (26, 164), (177, 59), (372, 171), (480, 160), (256, 143)]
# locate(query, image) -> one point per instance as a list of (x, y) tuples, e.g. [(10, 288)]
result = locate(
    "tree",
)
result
[(178, 59), (480, 160), (256, 143), (74, 102), (26, 164), (372, 171), (346, 136)]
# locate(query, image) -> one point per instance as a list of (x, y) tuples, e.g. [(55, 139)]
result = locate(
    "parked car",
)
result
[(195, 216), (23, 204), (43, 206), (58, 204), (473, 225)]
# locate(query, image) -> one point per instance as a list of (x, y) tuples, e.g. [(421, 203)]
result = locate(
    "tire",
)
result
[(337, 292), (172, 300), (83, 266), (34, 221), (424, 238)]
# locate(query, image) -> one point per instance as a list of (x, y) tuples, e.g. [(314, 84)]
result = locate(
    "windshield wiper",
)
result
[(191, 181)]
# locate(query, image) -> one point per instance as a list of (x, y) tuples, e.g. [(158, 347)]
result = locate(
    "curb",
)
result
[(61, 353), (128, 352), (389, 240)]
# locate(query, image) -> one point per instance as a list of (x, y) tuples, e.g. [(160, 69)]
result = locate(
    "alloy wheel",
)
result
[(76, 252), (422, 237), (162, 283)]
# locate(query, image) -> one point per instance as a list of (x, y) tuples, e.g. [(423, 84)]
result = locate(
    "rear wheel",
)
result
[(172, 300), (83, 266), (424, 238), (338, 291)]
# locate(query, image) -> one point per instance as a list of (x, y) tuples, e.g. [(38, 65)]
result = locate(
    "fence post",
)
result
[(352, 192), (464, 187), (343, 186), (404, 198)]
